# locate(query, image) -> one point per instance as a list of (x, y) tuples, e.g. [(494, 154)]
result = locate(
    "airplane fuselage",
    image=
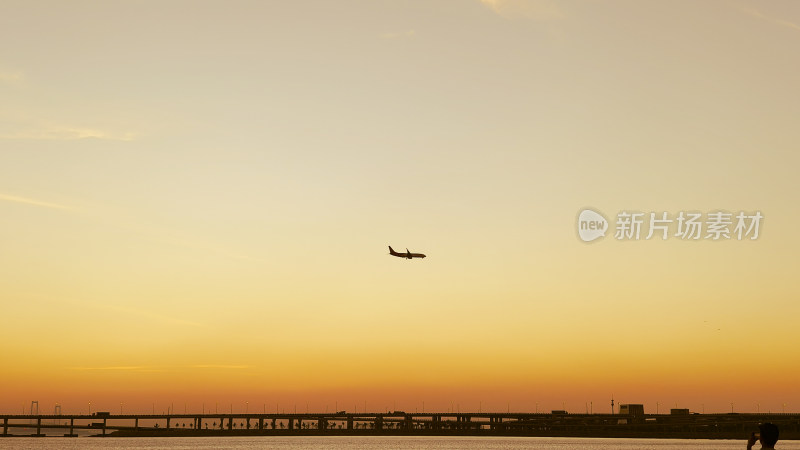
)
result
[(406, 255)]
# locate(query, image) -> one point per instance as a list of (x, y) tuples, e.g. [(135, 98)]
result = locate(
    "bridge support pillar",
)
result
[(104, 426), (260, 423), (135, 425), (378, 422), (407, 423), (221, 423), (322, 424), (349, 422), (273, 423), (168, 421), (230, 423), (291, 424), (5, 426), (247, 420)]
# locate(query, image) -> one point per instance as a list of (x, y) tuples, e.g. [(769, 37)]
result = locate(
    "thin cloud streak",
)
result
[(62, 133), (30, 201), (158, 368), (218, 366), (759, 15), (12, 77), (160, 236), (539, 10)]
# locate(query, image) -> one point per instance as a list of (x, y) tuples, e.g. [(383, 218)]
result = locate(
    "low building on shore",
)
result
[(631, 409)]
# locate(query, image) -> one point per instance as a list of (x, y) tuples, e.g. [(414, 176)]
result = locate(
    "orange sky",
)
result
[(196, 201)]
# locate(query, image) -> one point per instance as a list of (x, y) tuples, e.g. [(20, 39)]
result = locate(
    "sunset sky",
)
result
[(196, 199)]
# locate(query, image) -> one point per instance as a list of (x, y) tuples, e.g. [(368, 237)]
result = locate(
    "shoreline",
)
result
[(398, 423), (615, 434)]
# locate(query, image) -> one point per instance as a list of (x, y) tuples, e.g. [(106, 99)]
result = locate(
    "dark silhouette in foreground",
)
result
[(407, 254), (767, 435), (557, 423)]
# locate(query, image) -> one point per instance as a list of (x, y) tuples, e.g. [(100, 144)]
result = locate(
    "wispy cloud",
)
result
[(44, 125), (219, 366), (759, 15), (158, 368), (12, 77), (101, 213), (399, 35), (540, 10), (168, 237), (120, 368), (64, 133), (30, 201)]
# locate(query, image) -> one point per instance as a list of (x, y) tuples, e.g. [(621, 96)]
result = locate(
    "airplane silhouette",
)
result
[(407, 254)]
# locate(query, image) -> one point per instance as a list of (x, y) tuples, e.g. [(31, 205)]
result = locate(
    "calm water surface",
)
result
[(377, 442)]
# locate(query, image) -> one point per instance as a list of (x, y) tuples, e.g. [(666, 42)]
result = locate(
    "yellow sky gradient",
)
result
[(196, 200)]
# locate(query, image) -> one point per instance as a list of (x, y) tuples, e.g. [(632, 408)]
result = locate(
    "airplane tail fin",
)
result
[(391, 250)]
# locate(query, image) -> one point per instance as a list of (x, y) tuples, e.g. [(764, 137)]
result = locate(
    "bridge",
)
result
[(723, 426)]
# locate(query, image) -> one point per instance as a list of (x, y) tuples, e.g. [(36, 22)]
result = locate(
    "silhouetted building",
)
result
[(631, 409), (679, 411)]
